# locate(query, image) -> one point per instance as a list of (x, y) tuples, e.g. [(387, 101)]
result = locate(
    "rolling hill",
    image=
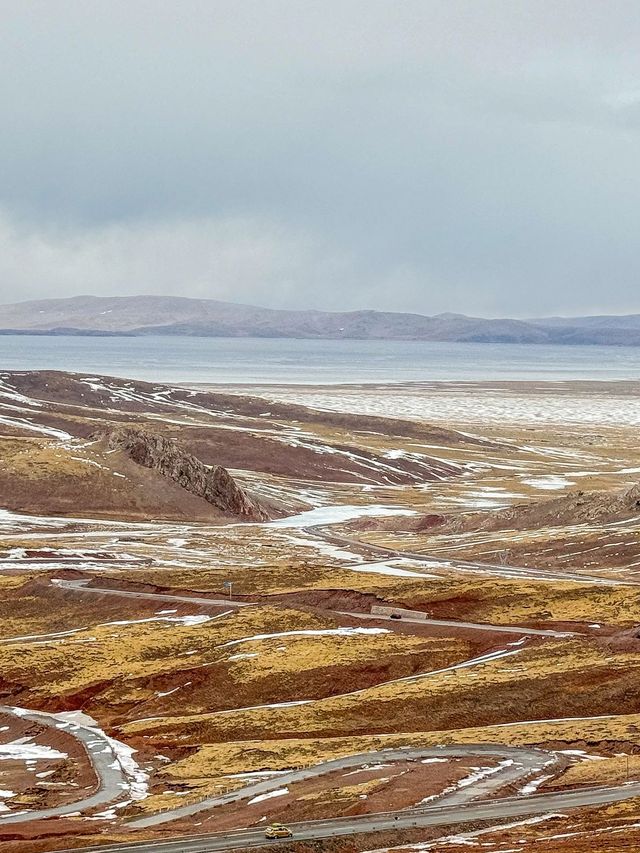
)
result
[(169, 315)]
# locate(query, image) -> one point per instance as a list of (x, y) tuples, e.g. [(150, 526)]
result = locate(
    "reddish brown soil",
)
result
[(138, 494), (64, 389), (58, 609), (70, 778), (408, 783), (51, 487)]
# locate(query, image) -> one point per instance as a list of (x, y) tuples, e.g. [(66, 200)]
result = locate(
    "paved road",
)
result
[(463, 565), (112, 780), (516, 764), (452, 623), (81, 586), (519, 762), (446, 815)]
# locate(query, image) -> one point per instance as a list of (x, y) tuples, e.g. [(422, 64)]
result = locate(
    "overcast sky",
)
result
[(480, 156)]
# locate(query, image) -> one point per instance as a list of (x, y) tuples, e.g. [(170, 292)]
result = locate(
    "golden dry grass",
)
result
[(504, 601), (30, 609), (36, 458), (11, 582), (207, 770), (280, 656), (454, 595), (141, 650), (608, 771), (344, 793), (497, 689), (133, 664)]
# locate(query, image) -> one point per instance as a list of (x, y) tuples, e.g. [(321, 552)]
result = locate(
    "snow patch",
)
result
[(336, 515), (23, 749), (549, 482), (309, 632), (279, 792)]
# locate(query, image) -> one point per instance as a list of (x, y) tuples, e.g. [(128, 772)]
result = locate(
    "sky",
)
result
[(477, 156)]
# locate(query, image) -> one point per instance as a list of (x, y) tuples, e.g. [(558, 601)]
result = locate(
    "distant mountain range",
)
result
[(170, 315)]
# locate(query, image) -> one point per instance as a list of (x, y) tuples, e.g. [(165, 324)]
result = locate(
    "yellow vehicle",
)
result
[(278, 830)]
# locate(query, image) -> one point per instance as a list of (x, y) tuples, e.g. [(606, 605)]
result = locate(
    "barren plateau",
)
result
[(349, 610)]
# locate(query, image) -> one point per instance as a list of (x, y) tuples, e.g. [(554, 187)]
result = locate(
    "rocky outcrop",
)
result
[(405, 524), (571, 508), (212, 483)]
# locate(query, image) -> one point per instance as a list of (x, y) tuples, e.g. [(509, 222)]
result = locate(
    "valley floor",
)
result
[(400, 599)]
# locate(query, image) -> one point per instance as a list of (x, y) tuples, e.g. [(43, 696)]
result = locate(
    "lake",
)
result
[(277, 361)]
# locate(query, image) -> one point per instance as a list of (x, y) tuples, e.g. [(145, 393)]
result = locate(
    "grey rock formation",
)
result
[(213, 483)]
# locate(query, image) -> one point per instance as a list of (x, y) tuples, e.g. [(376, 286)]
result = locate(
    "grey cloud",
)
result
[(429, 155)]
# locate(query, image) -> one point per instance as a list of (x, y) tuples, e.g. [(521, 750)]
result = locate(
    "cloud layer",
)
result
[(429, 156)]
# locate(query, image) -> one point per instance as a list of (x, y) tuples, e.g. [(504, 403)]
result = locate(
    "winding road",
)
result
[(406, 616), (453, 807), (523, 572), (81, 585), (515, 765), (113, 781), (518, 763), (446, 815)]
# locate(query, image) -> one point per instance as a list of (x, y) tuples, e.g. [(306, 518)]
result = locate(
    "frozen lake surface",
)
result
[(317, 362)]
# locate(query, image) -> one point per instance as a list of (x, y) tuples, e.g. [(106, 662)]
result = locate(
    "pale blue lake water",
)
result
[(267, 360)]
